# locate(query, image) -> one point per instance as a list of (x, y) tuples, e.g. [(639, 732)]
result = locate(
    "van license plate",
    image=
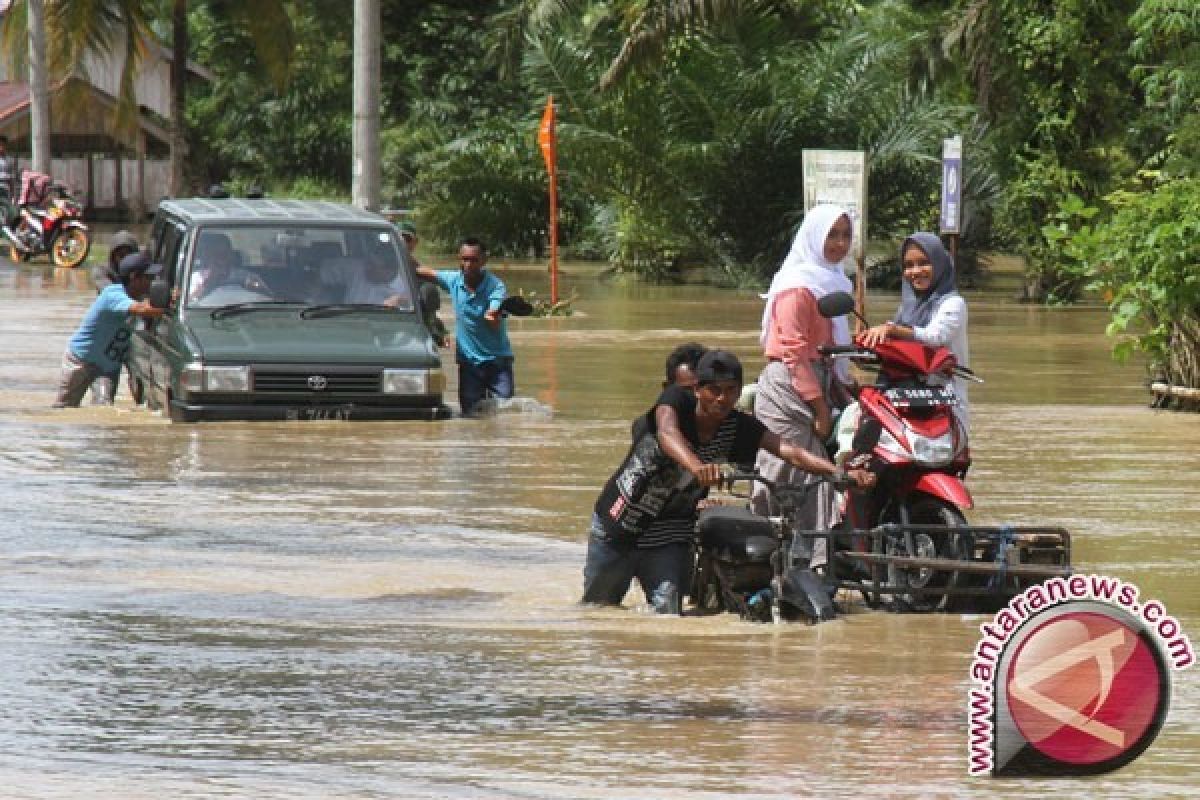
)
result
[(311, 414)]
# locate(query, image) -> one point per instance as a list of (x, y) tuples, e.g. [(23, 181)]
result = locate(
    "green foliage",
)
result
[(1146, 261), (1059, 115), (489, 183), (243, 127), (701, 162)]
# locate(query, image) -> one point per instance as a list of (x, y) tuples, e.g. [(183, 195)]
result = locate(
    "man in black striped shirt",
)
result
[(643, 521)]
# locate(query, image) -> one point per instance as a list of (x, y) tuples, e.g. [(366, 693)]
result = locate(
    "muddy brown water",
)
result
[(371, 610)]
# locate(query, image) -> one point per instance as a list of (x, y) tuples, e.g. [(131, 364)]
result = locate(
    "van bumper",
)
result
[(301, 412)]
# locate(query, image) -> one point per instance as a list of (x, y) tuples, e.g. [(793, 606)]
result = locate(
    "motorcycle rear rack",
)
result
[(1022, 556)]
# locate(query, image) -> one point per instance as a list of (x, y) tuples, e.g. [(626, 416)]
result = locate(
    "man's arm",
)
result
[(675, 445), (800, 458), (426, 274), (495, 297), (795, 455), (144, 309)]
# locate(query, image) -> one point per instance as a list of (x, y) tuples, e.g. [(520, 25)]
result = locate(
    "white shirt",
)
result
[(352, 274), (948, 328)]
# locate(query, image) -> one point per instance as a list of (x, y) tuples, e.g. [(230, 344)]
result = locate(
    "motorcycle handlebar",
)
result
[(731, 474)]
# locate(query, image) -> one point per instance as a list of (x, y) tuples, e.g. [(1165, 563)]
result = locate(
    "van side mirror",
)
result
[(159, 295), (836, 304)]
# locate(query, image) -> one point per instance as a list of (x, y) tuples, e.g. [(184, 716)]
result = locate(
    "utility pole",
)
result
[(39, 97), (179, 56), (366, 169)]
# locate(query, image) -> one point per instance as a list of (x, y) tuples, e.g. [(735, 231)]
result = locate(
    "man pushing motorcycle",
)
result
[(644, 519)]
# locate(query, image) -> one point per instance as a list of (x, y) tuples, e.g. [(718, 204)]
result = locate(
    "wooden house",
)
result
[(116, 175)]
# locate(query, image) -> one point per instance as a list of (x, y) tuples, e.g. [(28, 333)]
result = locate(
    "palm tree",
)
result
[(703, 159)]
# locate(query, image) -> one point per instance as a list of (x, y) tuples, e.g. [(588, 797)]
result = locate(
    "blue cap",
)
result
[(138, 262)]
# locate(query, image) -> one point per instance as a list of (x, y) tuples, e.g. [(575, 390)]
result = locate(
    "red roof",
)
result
[(13, 97)]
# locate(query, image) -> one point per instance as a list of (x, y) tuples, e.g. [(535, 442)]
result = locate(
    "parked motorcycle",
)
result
[(50, 222), (754, 566), (912, 526)]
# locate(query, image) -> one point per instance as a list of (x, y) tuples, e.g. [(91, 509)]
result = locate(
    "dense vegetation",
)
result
[(682, 124)]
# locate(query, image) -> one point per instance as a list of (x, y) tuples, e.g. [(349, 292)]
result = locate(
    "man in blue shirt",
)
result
[(101, 343), (482, 349)]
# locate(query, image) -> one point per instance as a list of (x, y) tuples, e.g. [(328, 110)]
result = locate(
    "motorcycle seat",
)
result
[(736, 535)]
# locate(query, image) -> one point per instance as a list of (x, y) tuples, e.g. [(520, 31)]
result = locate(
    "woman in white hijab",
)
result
[(793, 392)]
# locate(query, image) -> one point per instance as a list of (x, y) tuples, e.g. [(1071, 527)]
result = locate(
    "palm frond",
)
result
[(660, 22)]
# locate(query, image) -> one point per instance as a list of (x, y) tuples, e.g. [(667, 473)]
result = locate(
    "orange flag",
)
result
[(549, 146), (546, 137)]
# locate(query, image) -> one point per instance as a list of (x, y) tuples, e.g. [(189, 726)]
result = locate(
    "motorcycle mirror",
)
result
[(867, 435), (836, 304), (159, 295)]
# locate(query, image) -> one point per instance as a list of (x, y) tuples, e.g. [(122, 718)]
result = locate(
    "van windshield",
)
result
[(302, 265)]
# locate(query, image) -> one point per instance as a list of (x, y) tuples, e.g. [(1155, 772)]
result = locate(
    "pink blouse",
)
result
[(797, 329)]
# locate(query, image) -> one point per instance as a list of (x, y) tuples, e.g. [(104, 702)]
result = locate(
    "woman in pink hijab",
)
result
[(794, 389)]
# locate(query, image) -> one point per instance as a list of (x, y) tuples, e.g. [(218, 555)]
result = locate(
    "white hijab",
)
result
[(806, 267)]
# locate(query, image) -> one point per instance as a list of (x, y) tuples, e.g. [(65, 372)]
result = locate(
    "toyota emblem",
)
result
[(318, 383)]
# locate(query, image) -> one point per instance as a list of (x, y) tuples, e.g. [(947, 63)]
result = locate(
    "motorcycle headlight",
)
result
[(932, 451)]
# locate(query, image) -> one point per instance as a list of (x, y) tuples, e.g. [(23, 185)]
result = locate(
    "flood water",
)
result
[(388, 610)]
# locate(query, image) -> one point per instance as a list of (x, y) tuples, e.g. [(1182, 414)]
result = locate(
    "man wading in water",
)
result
[(643, 520)]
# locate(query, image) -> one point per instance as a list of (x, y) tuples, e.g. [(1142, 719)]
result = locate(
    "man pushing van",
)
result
[(98, 348)]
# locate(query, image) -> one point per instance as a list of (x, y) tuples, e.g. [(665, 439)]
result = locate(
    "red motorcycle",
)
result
[(910, 534), (50, 222)]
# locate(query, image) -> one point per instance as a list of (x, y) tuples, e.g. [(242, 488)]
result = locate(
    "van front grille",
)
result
[(318, 382)]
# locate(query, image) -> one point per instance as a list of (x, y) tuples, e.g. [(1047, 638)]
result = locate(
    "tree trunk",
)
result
[(366, 169), (39, 95), (179, 56)]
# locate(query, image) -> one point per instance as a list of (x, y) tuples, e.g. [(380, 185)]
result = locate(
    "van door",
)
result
[(156, 346)]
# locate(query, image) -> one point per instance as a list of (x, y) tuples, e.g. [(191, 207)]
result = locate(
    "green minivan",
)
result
[(284, 310)]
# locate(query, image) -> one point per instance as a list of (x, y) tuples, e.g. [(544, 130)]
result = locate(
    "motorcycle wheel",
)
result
[(70, 248), (15, 254), (929, 511)]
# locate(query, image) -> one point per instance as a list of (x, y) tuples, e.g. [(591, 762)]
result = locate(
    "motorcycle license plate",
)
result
[(923, 397)]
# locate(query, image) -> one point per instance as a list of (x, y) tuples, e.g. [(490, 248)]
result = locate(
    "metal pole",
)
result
[(366, 168)]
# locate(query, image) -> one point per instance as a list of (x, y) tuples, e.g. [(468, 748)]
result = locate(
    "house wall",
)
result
[(97, 189)]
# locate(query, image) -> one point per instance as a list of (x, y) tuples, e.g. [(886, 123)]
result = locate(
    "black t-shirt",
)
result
[(651, 499)]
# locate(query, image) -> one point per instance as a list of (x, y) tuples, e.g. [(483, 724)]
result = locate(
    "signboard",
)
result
[(951, 184), (839, 176)]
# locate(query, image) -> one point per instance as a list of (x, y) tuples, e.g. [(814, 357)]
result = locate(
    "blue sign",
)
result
[(951, 185)]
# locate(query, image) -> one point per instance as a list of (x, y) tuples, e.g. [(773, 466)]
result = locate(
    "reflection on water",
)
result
[(388, 609)]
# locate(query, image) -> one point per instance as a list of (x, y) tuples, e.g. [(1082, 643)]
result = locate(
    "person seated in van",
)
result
[(375, 280), (217, 264), (100, 344)]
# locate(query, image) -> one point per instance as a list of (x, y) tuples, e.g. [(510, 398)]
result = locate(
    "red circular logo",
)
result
[(1086, 688)]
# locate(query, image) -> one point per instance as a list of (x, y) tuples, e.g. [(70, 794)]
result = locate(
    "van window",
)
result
[(305, 265)]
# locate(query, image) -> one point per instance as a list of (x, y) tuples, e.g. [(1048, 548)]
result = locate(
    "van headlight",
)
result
[(199, 378), (413, 381)]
